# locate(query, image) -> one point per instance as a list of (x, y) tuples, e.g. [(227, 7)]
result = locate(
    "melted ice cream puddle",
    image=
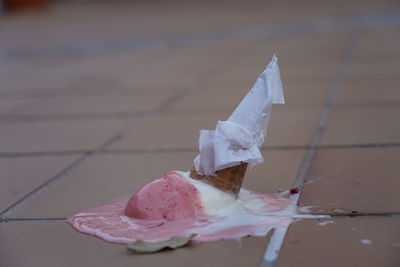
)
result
[(224, 217)]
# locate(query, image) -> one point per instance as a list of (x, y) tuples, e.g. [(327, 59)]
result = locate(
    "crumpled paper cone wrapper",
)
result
[(228, 180), (240, 137)]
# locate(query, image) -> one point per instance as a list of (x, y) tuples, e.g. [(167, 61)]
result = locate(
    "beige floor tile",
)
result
[(164, 68), (297, 95), (368, 91), (54, 74), (178, 67), (301, 50), (104, 71), (360, 180), (375, 124), (107, 22), (313, 55), (374, 74), (22, 175), (101, 180), (379, 42), (57, 244), (300, 90), (276, 173), (361, 241), (209, 101), (380, 69), (303, 93), (170, 131), (9, 106), (291, 127), (110, 176), (127, 21), (95, 104), (307, 63), (181, 130), (59, 135)]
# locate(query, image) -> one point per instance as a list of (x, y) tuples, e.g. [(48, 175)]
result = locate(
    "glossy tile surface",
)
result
[(353, 180), (342, 242)]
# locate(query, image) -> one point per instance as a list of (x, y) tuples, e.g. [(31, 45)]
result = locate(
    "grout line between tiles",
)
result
[(85, 116), (361, 214), (79, 90), (297, 216), (34, 220), (275, 245), (41, 188), (369, 104), (177, 150), (70, 116), (332, 93), (268, 148), (360, 146), (182, 150), (129, 128), (44, 153)]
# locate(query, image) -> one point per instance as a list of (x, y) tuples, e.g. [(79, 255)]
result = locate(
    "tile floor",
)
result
[(93, 93)]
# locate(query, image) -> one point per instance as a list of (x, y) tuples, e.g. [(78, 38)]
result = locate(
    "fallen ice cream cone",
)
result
[(228, 180), (207, 201)]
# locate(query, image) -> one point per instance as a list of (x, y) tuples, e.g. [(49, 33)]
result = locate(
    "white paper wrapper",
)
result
[(240, 138)]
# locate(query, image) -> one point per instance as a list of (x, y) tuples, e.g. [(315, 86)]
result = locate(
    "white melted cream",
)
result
[(248, 208), (213, 199)]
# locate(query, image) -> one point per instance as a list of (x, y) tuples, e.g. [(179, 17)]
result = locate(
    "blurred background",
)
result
[(103, 60), (61, 47)]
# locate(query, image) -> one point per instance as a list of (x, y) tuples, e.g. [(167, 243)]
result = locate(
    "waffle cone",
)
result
[(228, 180)]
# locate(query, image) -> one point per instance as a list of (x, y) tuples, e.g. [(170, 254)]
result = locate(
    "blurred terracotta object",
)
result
[(21, 5)]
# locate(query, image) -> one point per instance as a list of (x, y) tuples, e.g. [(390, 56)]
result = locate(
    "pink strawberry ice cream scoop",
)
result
[(171, 198)]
